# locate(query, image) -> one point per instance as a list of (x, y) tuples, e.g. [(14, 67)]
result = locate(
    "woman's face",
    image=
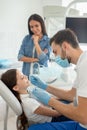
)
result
[(35, 27), (22, 81)]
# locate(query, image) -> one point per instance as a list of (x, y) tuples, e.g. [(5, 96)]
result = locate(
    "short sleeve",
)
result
[(30, 105)]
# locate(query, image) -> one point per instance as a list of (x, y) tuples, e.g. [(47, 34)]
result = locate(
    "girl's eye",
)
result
[(31, 27)]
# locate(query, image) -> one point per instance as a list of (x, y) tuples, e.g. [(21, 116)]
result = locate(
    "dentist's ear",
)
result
[(65, 45)]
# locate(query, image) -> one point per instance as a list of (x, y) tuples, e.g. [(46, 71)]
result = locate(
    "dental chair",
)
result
[(11, 101), (14, 104)]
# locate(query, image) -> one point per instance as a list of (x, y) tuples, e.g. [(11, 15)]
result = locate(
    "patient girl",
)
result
[(34, 110)]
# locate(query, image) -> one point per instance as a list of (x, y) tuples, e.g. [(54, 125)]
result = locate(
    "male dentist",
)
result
[(77, 111)]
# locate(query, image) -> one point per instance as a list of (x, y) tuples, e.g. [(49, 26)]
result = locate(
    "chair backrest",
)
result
[(10, 99), (12, 102)]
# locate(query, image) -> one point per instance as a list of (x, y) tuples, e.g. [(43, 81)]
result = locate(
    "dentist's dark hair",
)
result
[(65, 35)]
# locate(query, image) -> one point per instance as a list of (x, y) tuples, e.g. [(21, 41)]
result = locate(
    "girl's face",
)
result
[(35, 27), (22, 82)]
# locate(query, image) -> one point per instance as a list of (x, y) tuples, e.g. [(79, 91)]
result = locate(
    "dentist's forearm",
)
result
[(61, 93)]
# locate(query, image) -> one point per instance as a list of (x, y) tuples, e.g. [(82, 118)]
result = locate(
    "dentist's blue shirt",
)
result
[(26, 49)]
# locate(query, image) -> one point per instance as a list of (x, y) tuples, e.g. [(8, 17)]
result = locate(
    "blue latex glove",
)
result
[(62, 62), (38, 82), (41, 95)]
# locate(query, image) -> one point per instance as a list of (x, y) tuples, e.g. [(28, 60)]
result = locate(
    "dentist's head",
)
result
[(63, 43), (59, 57)]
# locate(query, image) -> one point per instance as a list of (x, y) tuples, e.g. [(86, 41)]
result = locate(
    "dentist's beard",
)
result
[(69, 59)]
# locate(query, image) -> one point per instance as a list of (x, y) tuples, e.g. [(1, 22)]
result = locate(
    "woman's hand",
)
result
[(35, 39)]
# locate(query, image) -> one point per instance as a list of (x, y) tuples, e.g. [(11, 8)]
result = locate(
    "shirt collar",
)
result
[(80, 59), (44, 38), (22, 96)]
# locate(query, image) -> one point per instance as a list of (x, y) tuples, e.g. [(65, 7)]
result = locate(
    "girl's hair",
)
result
[(39, 19), (10, 80)]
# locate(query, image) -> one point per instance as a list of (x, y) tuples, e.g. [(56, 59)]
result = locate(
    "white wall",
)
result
[(66, 2), (13, 24), (51, 2)]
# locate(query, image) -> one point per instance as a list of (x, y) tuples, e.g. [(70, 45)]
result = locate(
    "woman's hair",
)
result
[(10, 80), (39, 19)]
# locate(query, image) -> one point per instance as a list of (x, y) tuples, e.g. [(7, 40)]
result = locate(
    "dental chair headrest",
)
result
[(10, 99)]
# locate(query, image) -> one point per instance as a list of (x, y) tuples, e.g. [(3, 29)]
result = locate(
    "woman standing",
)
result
[(35, 46)]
